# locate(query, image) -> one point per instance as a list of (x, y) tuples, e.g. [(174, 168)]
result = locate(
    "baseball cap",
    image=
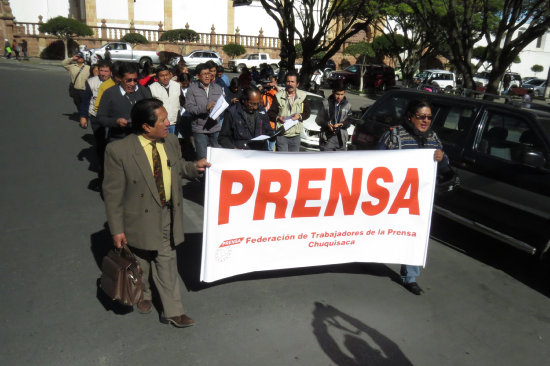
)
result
[(79, 54)]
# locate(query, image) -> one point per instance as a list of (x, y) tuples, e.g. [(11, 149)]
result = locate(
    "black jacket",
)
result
[(236, 134)]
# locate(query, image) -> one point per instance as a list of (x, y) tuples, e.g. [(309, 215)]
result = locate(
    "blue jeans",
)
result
[(172, 129), (203, 140), (409, 273)]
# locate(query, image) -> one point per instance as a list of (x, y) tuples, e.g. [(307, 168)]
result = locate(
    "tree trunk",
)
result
[(66, 44)]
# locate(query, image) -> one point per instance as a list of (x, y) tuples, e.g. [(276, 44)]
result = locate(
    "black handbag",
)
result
[(121, 276)]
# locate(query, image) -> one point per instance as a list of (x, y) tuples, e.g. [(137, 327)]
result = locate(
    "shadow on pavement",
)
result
[(522, 266), (350, 342), (72, 116), (189, 255), (193, 191)]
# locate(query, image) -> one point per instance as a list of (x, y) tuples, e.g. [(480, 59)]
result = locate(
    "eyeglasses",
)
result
[(135, 80), (423, 117)]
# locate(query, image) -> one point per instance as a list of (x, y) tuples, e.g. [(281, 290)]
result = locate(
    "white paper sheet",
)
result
[(217, 110)]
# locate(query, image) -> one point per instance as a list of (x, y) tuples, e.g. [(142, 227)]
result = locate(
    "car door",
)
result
[(119, 52), (500, 187)]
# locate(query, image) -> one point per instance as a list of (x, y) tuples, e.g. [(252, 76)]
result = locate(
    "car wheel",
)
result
[(240, 68), (144, 60), (448, 89)]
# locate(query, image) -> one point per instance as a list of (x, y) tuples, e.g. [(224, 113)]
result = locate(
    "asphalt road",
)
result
[(483, 305)]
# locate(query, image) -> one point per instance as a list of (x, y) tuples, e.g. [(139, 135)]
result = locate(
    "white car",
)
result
[(198, 57), (445, 80), (311, 130)]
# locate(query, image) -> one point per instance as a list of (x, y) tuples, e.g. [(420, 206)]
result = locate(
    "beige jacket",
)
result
[(73, 68)]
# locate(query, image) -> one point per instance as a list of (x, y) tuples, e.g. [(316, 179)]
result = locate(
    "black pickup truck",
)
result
[(501, 154)]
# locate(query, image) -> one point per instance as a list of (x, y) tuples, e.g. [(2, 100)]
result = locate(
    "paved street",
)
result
[(483, 304)]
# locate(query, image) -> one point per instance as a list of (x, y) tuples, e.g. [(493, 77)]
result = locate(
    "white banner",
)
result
[(266, 210)]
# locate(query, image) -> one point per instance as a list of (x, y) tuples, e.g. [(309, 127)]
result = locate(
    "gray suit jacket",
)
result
[(131, 197)]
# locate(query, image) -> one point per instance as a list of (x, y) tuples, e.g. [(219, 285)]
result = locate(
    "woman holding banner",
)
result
[(415, 133)]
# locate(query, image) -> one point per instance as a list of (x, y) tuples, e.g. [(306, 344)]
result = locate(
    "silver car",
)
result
[(199, 57)]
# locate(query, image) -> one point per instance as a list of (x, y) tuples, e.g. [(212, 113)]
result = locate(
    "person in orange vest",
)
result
[(269, 89)]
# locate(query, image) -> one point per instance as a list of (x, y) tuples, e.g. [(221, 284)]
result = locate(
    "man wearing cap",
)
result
[(79, 72)]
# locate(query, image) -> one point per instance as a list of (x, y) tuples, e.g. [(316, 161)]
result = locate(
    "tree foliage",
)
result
[(233, 50), (537, 68), (311, 23), (64, 29), (404, 38), (134, 39), (362, 51), (180, 37), (457, 25)]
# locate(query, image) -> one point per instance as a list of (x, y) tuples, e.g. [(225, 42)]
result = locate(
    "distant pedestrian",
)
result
[(16, 48), (79, 72), (24, 48), (7, 48), (527, 99)]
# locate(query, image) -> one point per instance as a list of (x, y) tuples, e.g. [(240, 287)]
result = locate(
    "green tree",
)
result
[(134, 39), (233, 50), (65, 29), (506, 26), (180, 37), (403, 38), (309, 22), (362, 51), (537, 68)]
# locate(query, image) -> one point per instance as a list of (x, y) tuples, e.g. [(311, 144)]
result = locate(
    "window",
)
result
[(508, 137), (391, 112), (264, 57), (454, 123), (253, 57)]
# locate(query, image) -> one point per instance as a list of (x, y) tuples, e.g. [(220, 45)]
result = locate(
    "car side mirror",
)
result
[(534, 159)]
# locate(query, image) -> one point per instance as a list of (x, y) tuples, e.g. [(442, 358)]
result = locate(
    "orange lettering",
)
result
[(339, 188), (228, 199), (265, 196), (304, 193), (411, 180), (377, 191)]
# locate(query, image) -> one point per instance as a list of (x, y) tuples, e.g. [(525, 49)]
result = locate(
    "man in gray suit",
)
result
[(144, 203)]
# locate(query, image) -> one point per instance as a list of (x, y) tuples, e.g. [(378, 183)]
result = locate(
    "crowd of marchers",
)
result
[(152, 128)]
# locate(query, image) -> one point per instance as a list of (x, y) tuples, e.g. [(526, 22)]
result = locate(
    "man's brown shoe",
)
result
[(144, 306), (180, 321)]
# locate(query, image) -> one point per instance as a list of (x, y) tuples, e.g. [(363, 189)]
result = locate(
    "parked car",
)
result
[(311, 130), (121, 51), (482, 79), (254, 60), (381, 77), (198, 57), (538, 86), (442, 79), (501, 154)]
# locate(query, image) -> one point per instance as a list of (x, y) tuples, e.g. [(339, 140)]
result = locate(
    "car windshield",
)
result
[(315, 104), (482, 75), (535, 82)]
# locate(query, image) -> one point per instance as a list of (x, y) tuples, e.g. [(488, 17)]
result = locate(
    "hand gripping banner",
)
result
[(266, 210)]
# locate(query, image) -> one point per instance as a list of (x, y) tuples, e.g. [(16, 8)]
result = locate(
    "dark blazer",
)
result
[(131, 197), (113, 105)]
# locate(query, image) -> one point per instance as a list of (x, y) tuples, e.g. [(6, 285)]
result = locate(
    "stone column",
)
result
[(90, 10), (230, 17), (130, 9), (6, 22), (167, 14)]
